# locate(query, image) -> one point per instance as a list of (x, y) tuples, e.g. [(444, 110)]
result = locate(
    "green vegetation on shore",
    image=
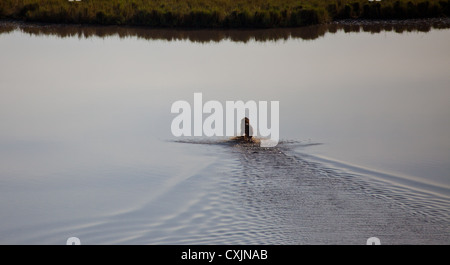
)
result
[(217, 13)]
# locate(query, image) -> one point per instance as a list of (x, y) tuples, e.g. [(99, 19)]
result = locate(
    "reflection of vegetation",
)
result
[(217, 13), (241, 35)]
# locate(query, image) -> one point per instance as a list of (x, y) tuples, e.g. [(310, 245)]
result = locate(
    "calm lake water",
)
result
[(86, 148)]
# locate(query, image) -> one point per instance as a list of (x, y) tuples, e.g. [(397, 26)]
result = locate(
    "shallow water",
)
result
[(86, 148)]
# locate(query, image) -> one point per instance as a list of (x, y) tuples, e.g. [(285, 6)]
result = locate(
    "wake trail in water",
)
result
[(246, 194), (311, 203)]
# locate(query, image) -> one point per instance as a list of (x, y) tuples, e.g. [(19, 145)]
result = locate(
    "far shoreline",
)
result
[(219, 14)]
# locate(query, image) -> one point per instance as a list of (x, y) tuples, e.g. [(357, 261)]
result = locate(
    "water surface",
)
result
[(86, 148)]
